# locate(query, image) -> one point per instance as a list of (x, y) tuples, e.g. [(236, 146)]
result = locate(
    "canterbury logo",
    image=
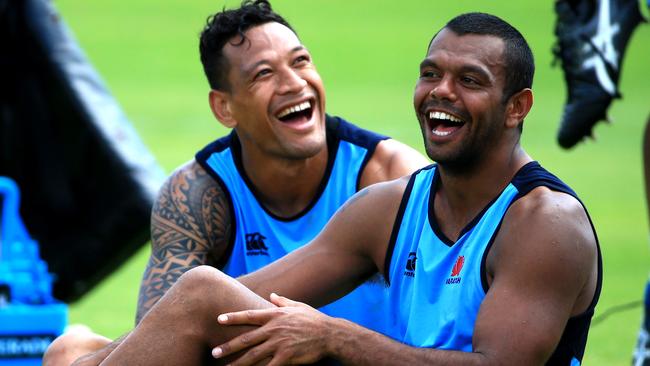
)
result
[(410, 265), (255, 244)]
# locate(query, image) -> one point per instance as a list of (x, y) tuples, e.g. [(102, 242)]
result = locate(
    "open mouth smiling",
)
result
[(443, 124), (297, 113)]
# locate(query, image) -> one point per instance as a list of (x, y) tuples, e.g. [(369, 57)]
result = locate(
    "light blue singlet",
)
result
[(261, 237), (437, 285)]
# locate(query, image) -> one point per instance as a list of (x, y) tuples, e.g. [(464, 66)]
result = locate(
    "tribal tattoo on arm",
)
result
[(190, 226)]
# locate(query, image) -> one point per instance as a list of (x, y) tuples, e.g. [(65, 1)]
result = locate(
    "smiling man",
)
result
[(287, 166), (283, 171), (489, 258)]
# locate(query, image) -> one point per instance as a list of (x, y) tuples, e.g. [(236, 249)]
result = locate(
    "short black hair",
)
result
[(223, 26), (518, 58)]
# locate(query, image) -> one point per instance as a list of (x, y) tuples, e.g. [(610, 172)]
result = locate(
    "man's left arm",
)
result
[(542, 269)]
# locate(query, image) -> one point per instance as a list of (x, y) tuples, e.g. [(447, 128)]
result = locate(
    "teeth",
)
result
[(443, 115), (296, 108), (440, 133)]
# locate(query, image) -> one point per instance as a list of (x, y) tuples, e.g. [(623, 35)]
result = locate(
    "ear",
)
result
[(220, 105), (518, 107)]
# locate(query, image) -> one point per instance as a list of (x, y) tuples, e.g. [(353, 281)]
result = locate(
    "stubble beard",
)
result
[(466, 158)]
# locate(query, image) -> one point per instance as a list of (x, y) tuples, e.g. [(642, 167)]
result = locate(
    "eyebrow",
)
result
[(464, 68), (477, 70), (427, 63), (249, 70)]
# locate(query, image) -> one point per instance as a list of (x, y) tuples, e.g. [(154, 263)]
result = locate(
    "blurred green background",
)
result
[(368, 54)]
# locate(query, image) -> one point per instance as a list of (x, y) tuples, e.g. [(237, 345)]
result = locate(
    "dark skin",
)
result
[(529, 299)]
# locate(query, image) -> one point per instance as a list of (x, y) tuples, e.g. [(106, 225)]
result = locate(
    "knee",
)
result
[(70, 346), (199, 280), (196, 285), (195, 297)]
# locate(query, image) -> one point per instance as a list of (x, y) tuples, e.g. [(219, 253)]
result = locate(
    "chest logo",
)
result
[(455, 271), (255, 244), (410, 265)]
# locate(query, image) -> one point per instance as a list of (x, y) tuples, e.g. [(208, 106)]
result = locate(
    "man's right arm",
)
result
[(190, 226), (541, 270)]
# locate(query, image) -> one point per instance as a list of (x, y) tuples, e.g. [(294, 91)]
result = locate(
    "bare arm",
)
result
[(391, 160), (190, 226), (349, 250), (542, 270)]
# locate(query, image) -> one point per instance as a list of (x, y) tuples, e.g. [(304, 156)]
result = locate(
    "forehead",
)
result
[(263, 42), (484, 51)]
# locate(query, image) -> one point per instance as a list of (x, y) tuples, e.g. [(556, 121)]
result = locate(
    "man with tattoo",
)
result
[(490, 259), (270, 186)]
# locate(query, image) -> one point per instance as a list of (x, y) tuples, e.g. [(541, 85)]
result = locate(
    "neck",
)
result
[(460, 197), (284, 186)]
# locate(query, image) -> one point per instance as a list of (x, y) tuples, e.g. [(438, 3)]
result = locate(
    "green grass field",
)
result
[(368, 54)]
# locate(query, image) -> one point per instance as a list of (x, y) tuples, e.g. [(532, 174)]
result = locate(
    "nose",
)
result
[(291, 82), (444, 89)]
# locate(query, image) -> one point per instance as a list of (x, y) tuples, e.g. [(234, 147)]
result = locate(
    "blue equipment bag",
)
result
[(30, 318)]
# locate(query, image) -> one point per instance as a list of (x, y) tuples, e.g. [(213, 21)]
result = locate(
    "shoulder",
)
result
[(392, 149), (546, 231), (192, 201), (392, 159), (379, 194), (190, 179), (191, 170), (551, 208), (547, 214)]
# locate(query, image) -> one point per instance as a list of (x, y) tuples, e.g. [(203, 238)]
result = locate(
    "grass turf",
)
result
[(368, 54)]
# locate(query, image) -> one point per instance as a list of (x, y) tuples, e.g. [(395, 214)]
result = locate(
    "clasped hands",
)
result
[(291, 333)]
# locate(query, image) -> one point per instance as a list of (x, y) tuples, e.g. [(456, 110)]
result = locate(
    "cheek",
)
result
[(312, 77), (419, 95), (319, 86)]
